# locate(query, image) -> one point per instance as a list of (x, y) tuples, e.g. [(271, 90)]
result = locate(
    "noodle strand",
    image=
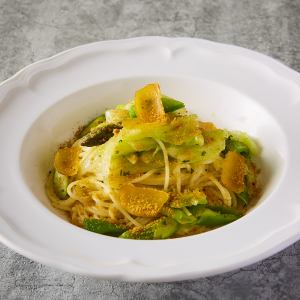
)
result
[(166, 160)]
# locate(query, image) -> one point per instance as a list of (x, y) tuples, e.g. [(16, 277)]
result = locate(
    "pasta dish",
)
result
[(151, 170)]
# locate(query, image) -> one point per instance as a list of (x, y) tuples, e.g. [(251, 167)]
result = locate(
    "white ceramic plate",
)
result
[(43, 104)]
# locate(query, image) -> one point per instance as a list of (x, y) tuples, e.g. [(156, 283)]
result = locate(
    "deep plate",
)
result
[(233, 87)]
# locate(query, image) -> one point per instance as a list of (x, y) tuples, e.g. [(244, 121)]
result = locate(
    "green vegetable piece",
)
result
[(222, 210), (245, 139), (132, 113), (244, 197), (182, 218), (120, 166), (237, 146), (162, 228), (197, 140), (100, 119), (210, 218), (100, 135), (125, 148), (145, 144), (103, 227), (214, 144), (179, 131), (166, 228), (135, 234), (188, 199), (169, 105), (60, 184)]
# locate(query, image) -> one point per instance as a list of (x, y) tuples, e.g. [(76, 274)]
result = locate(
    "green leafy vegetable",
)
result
[(103, 227), (162, 228), (210, 218), (202, 215)]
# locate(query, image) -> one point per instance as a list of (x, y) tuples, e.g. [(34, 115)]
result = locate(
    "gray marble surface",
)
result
[(31, 30)]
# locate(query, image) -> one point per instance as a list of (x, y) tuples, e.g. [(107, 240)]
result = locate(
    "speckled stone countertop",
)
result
[(31, 30)]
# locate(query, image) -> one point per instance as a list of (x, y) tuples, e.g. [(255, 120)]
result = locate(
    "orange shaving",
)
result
[(148, 104), (66, 161), (233, 172), (142, 202)]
